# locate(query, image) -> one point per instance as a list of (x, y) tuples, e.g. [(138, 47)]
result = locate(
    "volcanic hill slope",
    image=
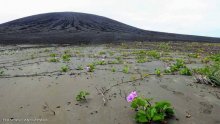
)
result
[(71, 27)]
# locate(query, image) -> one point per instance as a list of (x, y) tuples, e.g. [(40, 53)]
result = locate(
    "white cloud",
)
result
[(200, 17)]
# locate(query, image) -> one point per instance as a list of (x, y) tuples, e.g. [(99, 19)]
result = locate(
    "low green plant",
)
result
[(82, 96), (111, 53), (186, 71), (193, 55), (64, 68), (212, 72), (125, 69), (66, 57), (79, 67), (146, 112), (90, 67), (215, 57), (158, 72), (101, 62), (154, 54), (54, 59), (205, 60), (166, 59), (1, 72), (164, 46), (176, 66), (113, 70), (141, 59), (102, 53), (53, 55), (119, 59)]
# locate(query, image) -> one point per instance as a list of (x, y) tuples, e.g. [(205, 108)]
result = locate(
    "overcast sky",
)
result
[(199, 17)]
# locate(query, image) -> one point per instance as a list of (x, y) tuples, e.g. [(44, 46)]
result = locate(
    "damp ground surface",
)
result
[(34, 87)]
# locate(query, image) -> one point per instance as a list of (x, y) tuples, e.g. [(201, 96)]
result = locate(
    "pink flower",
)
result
[(131, 96)]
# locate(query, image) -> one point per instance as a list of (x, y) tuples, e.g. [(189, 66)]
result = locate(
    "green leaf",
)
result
[(134, 104), (158, 117), (141, 116)]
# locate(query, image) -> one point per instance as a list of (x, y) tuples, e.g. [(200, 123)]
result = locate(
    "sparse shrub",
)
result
[(164, 46), (54, 59), (113, 70), (111, 53), (205, 60), (119, 59), (154, 54), (90, 67), (66, 57), (82, 96), (64, 68), (125, 69), (101, 62), (141, 59), (102, 53), (53, 55), (1, 72), (185, 71), (215, 57), (158, 72)]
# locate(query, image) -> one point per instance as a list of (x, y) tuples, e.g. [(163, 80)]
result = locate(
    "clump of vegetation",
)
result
[(102, 53), (167, 59), (205, 60), (101, 62), (125, 69), (66, 57), (90, 67), (194, 55), (119, 59), (54, 59), (111, 53), (113, 70), (209, 74), (186, 71), (64, 68), (176, 66), (1, 72), (79, 67), (146, 112), (158, 72), (32, 56), (154, 54), (53, 55), (141, 59), (82, 96), (215, 57), (164, 46)]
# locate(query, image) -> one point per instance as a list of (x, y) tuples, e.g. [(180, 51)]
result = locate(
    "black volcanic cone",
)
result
[(71, 27)]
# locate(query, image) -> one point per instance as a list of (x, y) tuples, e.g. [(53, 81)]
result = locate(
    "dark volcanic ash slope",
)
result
[(71, 27)]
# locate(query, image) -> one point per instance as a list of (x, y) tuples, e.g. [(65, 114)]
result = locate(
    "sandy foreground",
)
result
[(34, 90)]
